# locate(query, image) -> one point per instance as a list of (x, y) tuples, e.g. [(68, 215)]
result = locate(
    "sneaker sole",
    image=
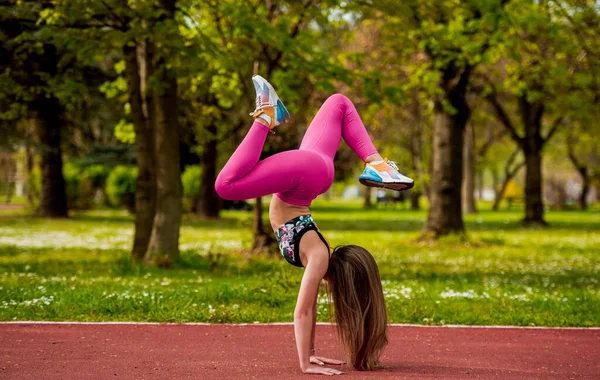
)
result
[(391, 186)]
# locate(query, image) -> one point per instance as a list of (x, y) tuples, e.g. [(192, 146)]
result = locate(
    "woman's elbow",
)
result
[(301, 313)]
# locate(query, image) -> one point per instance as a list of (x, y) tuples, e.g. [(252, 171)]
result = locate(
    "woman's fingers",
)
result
[(323, 371), (316, 360), (328, 361)]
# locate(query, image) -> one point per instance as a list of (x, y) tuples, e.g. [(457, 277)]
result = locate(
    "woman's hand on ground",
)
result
[(320, 370), (320, 360)]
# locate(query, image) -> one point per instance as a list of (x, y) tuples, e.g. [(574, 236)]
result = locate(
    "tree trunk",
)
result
[(262, 239), (534, 207), (531, 116), (415, 147), (209, 203), (414, 200), (498, 197), (585, 189), (445, 214), (164, 241), (510, 172), (30, 186), (497, 191), (53, 197), (163, 247), (499, 194), (468, 185), (479, 179), (145, 191), (367, 198)]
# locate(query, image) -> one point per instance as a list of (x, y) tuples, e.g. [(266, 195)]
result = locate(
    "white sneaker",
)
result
[(385, 174), (268, 105)]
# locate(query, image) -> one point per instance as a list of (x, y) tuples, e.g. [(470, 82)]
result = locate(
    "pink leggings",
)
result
[(295, 176)]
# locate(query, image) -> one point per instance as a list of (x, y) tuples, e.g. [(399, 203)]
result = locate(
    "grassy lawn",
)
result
[(78, 269)]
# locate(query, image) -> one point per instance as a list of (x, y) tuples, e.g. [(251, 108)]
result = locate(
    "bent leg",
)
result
[(289, 173), (244, 158), (337, 118)]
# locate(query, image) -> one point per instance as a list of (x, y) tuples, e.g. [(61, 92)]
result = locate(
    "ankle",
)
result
[(262, 121), (375, 157)]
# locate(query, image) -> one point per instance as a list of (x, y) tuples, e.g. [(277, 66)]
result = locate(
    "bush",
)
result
[(120, 187), (191, 179), (80, 191), (98, 175)]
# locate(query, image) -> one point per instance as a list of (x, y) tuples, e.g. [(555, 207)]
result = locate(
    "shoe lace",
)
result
[(393, 165)]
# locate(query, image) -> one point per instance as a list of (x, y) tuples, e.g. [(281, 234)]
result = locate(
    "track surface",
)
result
[(95, 351)]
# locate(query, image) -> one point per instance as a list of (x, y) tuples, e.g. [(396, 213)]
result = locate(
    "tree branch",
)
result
[(488, 143), (503, 117), (553, 129), (571, 153), (295, 30), (507, 169)]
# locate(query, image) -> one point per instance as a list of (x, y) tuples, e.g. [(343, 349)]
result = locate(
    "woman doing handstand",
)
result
[(296, 177)]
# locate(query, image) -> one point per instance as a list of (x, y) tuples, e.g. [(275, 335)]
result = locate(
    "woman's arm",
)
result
[(314, 326), (304, 315)]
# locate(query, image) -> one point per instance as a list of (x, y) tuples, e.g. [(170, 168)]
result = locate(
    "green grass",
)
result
[(78, 269)]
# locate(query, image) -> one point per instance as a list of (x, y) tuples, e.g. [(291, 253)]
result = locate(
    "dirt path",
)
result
[(130, 351)]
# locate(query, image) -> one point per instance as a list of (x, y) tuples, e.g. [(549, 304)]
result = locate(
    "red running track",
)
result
[(128, 351)]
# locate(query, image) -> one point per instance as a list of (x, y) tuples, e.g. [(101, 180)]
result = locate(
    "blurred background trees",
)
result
[(138, 104)]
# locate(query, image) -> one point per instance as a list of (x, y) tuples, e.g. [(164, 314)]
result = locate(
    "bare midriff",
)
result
[(280, 212)]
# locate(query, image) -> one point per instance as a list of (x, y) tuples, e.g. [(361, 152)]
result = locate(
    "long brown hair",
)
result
[(360, 313)]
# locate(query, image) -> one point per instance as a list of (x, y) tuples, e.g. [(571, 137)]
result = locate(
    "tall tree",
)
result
[(454, 37), (164, 240), (138, 63), (546, 71), (32, 79)]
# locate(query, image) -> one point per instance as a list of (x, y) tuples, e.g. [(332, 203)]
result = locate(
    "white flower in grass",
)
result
[(519, 297), (210, 309), (449, 293), (406, 292), (235, 306)]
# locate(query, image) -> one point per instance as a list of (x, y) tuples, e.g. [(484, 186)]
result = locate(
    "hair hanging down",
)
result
[(360, 313)]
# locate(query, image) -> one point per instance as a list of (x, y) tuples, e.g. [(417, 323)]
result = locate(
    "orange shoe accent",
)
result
[(380, 167), (269, 111)]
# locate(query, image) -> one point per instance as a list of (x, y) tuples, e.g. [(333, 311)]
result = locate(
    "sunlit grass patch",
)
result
[(79, 269)]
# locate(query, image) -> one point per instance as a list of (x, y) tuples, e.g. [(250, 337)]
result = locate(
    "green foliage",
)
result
[(192, 186), (120, 187), (192, 175), (97, 175), (124, 132), (80, 189)]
